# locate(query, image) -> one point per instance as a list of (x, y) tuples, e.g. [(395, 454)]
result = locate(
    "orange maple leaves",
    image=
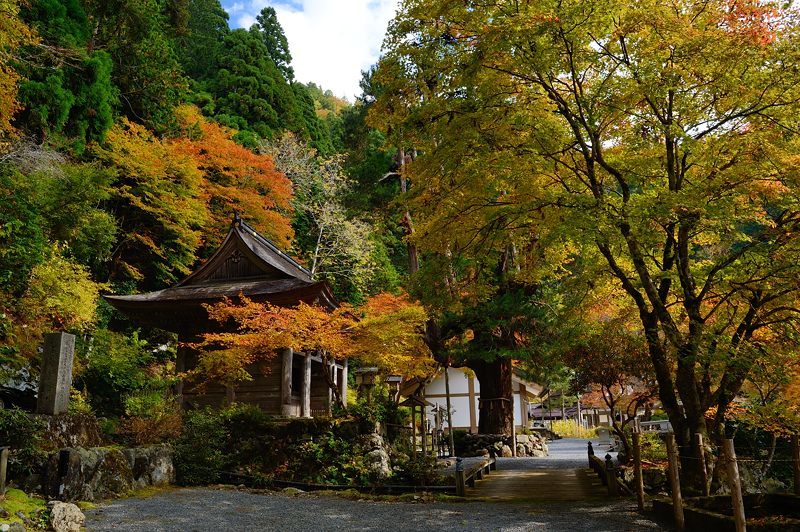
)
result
[(236, 179), (386, 332)]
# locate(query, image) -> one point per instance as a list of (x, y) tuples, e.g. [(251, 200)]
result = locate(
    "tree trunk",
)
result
[(496, 405)]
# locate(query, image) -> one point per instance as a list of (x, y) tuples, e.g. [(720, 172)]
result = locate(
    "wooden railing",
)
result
[(468, 477)]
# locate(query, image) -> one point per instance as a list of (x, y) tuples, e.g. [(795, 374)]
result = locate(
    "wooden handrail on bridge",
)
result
[(468, 477)]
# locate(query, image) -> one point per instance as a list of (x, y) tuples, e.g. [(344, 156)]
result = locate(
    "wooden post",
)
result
[(343, 383), (637, 469), (423, 418), (305, 392), (735, 485), (3, 467), (461, 486), (796, 457), (414, 431), (701, 455), (675, 482), (611, 477), (286, 382), (450, 440)]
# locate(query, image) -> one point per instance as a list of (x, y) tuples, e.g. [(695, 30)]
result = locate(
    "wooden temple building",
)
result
[(246, 263)]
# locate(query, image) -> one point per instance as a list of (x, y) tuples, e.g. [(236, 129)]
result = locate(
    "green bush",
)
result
[(419, 471), (242, 439), (653, 447), (459, 441), (21, 432), (200, 453), (116, 367)]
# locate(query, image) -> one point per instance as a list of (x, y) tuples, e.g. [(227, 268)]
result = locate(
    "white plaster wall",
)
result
[(459, 383)]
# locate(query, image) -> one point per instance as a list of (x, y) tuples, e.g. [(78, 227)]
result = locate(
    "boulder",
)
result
[(377, 461), (99, 472), (505, 451), (151, 466), (66, 517)]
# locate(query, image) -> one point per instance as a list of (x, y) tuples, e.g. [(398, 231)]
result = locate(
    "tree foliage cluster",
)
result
[(130, 132)]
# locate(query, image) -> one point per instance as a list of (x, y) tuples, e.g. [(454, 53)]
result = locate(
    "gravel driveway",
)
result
[(189, 510), (203, 509)]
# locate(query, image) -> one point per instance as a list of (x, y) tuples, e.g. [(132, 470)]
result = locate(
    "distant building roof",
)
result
[(246, 263)]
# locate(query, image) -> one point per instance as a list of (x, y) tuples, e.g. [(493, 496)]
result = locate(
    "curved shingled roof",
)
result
[(245, 263)]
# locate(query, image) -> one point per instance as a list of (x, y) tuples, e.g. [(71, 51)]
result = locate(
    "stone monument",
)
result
[(55, 380)]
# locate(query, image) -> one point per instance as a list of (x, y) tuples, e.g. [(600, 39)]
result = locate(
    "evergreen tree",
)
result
[(274, 39)]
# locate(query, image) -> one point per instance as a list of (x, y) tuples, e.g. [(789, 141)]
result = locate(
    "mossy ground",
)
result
[(18, 501)]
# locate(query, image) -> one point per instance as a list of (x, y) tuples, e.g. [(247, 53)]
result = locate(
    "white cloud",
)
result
[(331, 41)]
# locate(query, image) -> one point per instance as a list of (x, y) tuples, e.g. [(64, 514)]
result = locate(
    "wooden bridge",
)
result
[(564, 476)]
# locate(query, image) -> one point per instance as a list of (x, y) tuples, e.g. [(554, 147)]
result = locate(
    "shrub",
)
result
[(201, 450), (653, 447), (419, 471), (152, 416), (22, 433), (115, 367), (569, 428)]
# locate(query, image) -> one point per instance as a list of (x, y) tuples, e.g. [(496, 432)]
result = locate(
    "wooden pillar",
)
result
[(343, 383), (638, 481), (473, 418), (735, 485), (180, 367), (305, 392), (423, 418), (675, 482), (523, 406), (414, 431), (286, 382), (334, 378)]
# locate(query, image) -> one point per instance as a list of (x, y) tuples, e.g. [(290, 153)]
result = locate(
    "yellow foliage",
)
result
[(62, 292)]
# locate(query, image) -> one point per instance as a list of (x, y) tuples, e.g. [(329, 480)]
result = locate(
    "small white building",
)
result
[(465, 392)]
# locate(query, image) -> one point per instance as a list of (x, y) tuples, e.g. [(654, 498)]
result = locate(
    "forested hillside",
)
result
[(130, 134)]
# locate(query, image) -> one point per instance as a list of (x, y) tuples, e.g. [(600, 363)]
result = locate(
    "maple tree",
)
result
[(652, 138), (158, 204), (385, 332), (612, 363), (234, 178)]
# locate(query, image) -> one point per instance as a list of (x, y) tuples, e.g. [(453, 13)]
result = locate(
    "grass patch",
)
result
[(18, 501), (148, 491)]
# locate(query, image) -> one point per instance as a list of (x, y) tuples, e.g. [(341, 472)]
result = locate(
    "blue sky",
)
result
[(331, 41)]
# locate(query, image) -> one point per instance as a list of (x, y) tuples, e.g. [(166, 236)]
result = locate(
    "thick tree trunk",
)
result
[(496, 405)]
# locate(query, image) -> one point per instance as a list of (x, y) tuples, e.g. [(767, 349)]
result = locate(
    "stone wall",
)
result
[(500, 445), (89, 474), (70, 430)]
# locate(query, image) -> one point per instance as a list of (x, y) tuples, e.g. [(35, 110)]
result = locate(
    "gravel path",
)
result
[(189, 510), (203, 509)]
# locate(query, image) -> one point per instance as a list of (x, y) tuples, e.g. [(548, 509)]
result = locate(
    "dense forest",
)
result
[(132, 132)]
